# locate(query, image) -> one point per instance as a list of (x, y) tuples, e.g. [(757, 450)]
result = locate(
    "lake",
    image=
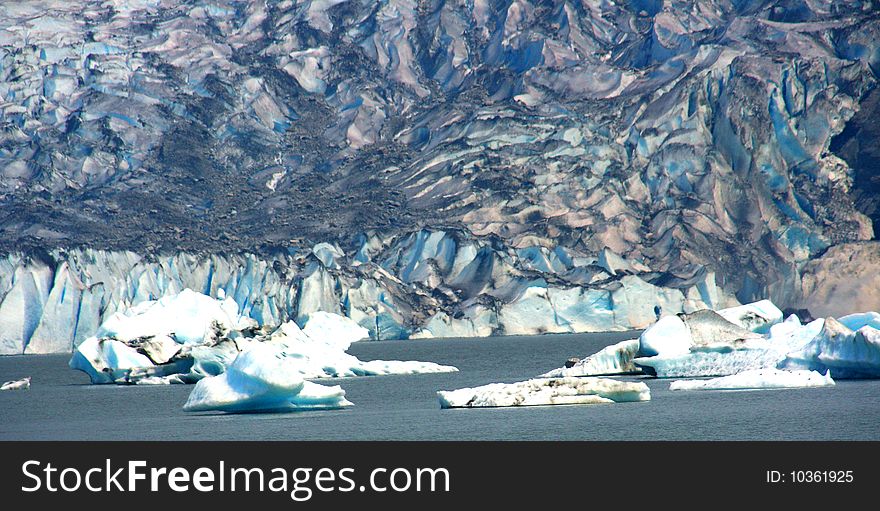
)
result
[(61, 405)]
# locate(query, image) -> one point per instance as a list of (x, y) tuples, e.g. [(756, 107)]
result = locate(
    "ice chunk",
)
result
[(546, 391), (106, 360), (333, 329), (614, 359), (757, 379), (669, 336), (22, 384), (709, 363), (757, 317), (845, 353), (261, 380), (188, 317), (324, 357), (706, 343), (144, 345)]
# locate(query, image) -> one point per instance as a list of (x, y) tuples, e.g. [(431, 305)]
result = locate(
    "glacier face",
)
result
[(426, 284), (682, 149)]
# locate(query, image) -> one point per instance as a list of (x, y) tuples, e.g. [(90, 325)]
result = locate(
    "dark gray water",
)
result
[(61, 405)]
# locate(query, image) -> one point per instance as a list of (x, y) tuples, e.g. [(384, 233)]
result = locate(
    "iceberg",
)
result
[(758, 379), (22, 384), (719, 343), (334, 329), (132, 349), (259, 380), (757, 316), (614, 359), (846, 353), (545, 391), (751, 337), (187, 317)]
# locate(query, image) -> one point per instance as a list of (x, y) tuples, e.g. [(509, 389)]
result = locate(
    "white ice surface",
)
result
[(261, 380), (545, 391), (186, 317), (757, 316), (614, 359), (757, 379), (333, 329), (669, 336), (323, 357)]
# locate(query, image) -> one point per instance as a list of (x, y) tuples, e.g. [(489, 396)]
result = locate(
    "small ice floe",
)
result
[(758, 379), (546, 391), (24, 383)]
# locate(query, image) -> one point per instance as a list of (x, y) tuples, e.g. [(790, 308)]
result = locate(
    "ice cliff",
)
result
[(427, 284)]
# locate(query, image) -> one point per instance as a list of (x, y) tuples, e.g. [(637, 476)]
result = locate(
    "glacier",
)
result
[(477, 168), (546, 391), (259, 380), (769, 378), (430, 284), (142, 346)]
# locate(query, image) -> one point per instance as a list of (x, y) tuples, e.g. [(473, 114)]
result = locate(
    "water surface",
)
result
[(61, 405)]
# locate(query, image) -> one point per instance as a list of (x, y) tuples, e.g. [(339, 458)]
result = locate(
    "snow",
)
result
[(757, 379), (614, 359), (259, 380), (545, 391), (22, 384)]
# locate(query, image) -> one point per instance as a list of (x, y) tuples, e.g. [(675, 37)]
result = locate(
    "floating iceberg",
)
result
[(751, 337), (187, 317), (545, 391), (22, 384), (125, 353), (757, 317), (614, 359), (846, 353), (324, 357), (716, 343), (334, 329), (259, 380), (757, 379)]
